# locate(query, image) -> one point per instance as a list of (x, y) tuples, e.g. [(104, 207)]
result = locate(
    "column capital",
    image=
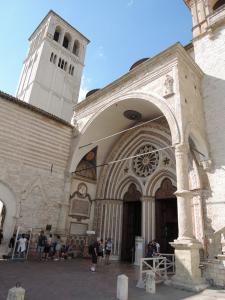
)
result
[(184, 193), (182, 148), (147, 198)]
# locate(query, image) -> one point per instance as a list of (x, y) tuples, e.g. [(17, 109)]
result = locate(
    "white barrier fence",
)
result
[(161, 265), (170, 262)]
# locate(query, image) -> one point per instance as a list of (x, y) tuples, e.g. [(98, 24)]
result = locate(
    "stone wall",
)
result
[(33, 158), (214, 272), (209, 53)]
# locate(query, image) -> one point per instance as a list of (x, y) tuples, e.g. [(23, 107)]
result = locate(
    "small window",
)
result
[(57, 34), (62, 65), (72, 71), (76, 47), (52, 57), (66, 41), (218, 4), (59, 63), (65, 66), (69, 69)]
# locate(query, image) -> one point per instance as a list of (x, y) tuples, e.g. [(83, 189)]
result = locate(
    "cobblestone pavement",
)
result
[(72, 280)]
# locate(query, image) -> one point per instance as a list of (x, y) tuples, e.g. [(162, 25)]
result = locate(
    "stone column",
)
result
[(147, 218), (183, 194), (188, 273)]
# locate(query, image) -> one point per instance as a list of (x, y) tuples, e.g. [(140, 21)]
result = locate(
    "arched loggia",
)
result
[(151, 103)]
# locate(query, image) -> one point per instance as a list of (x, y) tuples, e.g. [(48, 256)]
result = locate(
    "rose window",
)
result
[(144, 165)]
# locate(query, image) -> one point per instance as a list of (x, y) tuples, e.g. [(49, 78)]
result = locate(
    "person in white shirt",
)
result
[(22, 245)]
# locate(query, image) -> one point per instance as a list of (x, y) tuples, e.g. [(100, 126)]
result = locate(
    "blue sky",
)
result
[(121, 32)]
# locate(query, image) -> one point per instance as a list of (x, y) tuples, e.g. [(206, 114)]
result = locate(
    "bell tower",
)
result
[(51, 74), (206, 15), (209, 53)]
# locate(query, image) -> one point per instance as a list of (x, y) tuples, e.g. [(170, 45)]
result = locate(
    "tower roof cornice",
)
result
[(188, 3), (53, 13)]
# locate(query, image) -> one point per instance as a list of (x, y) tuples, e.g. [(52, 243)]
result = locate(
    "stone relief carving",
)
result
[(82, 190), (169, 86)]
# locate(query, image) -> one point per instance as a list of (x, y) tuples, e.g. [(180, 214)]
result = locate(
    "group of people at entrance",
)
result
[(100, 250), (50, 247), (47, 246)]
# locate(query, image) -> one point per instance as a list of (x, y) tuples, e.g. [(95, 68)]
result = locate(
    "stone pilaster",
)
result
[(188, 273), (64, 207)]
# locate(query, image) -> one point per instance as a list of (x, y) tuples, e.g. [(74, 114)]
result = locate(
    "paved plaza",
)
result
[(70, 280)]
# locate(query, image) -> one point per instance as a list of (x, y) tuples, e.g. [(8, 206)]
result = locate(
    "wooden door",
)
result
[(131, 229)]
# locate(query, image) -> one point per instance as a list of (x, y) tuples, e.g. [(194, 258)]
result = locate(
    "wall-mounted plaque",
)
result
[(78, 228), (80, 203)]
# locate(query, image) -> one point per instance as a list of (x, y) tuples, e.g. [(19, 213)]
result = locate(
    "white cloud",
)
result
[(130, 3), (84, 88), (100, 52)]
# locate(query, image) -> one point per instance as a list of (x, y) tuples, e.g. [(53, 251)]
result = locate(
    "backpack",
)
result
[(108, 246)]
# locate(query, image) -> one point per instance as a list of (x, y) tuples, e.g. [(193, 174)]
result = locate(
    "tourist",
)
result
[(41, 244), (11, 244), (48, 246), (1, 236), (22, 246), (12, 241), (157, 247), (101, 251), (149, 250), (58, 246), (93, 249), (64, 251), (108, 249)]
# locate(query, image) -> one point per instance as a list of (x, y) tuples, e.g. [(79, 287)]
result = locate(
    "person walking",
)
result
[(101, 251), (108, 249), (94, 249), (41, 244)]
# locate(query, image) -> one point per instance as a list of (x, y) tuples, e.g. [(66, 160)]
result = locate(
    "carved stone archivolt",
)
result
[(111, 184)]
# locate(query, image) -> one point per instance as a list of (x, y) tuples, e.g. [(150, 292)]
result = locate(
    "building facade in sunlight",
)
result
[(142, 157)]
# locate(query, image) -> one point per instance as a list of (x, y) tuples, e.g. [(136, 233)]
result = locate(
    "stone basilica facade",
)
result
[(143, 156)]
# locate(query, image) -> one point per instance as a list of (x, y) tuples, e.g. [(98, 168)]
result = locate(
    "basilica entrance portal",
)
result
[(166, 216), (131, 223)]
